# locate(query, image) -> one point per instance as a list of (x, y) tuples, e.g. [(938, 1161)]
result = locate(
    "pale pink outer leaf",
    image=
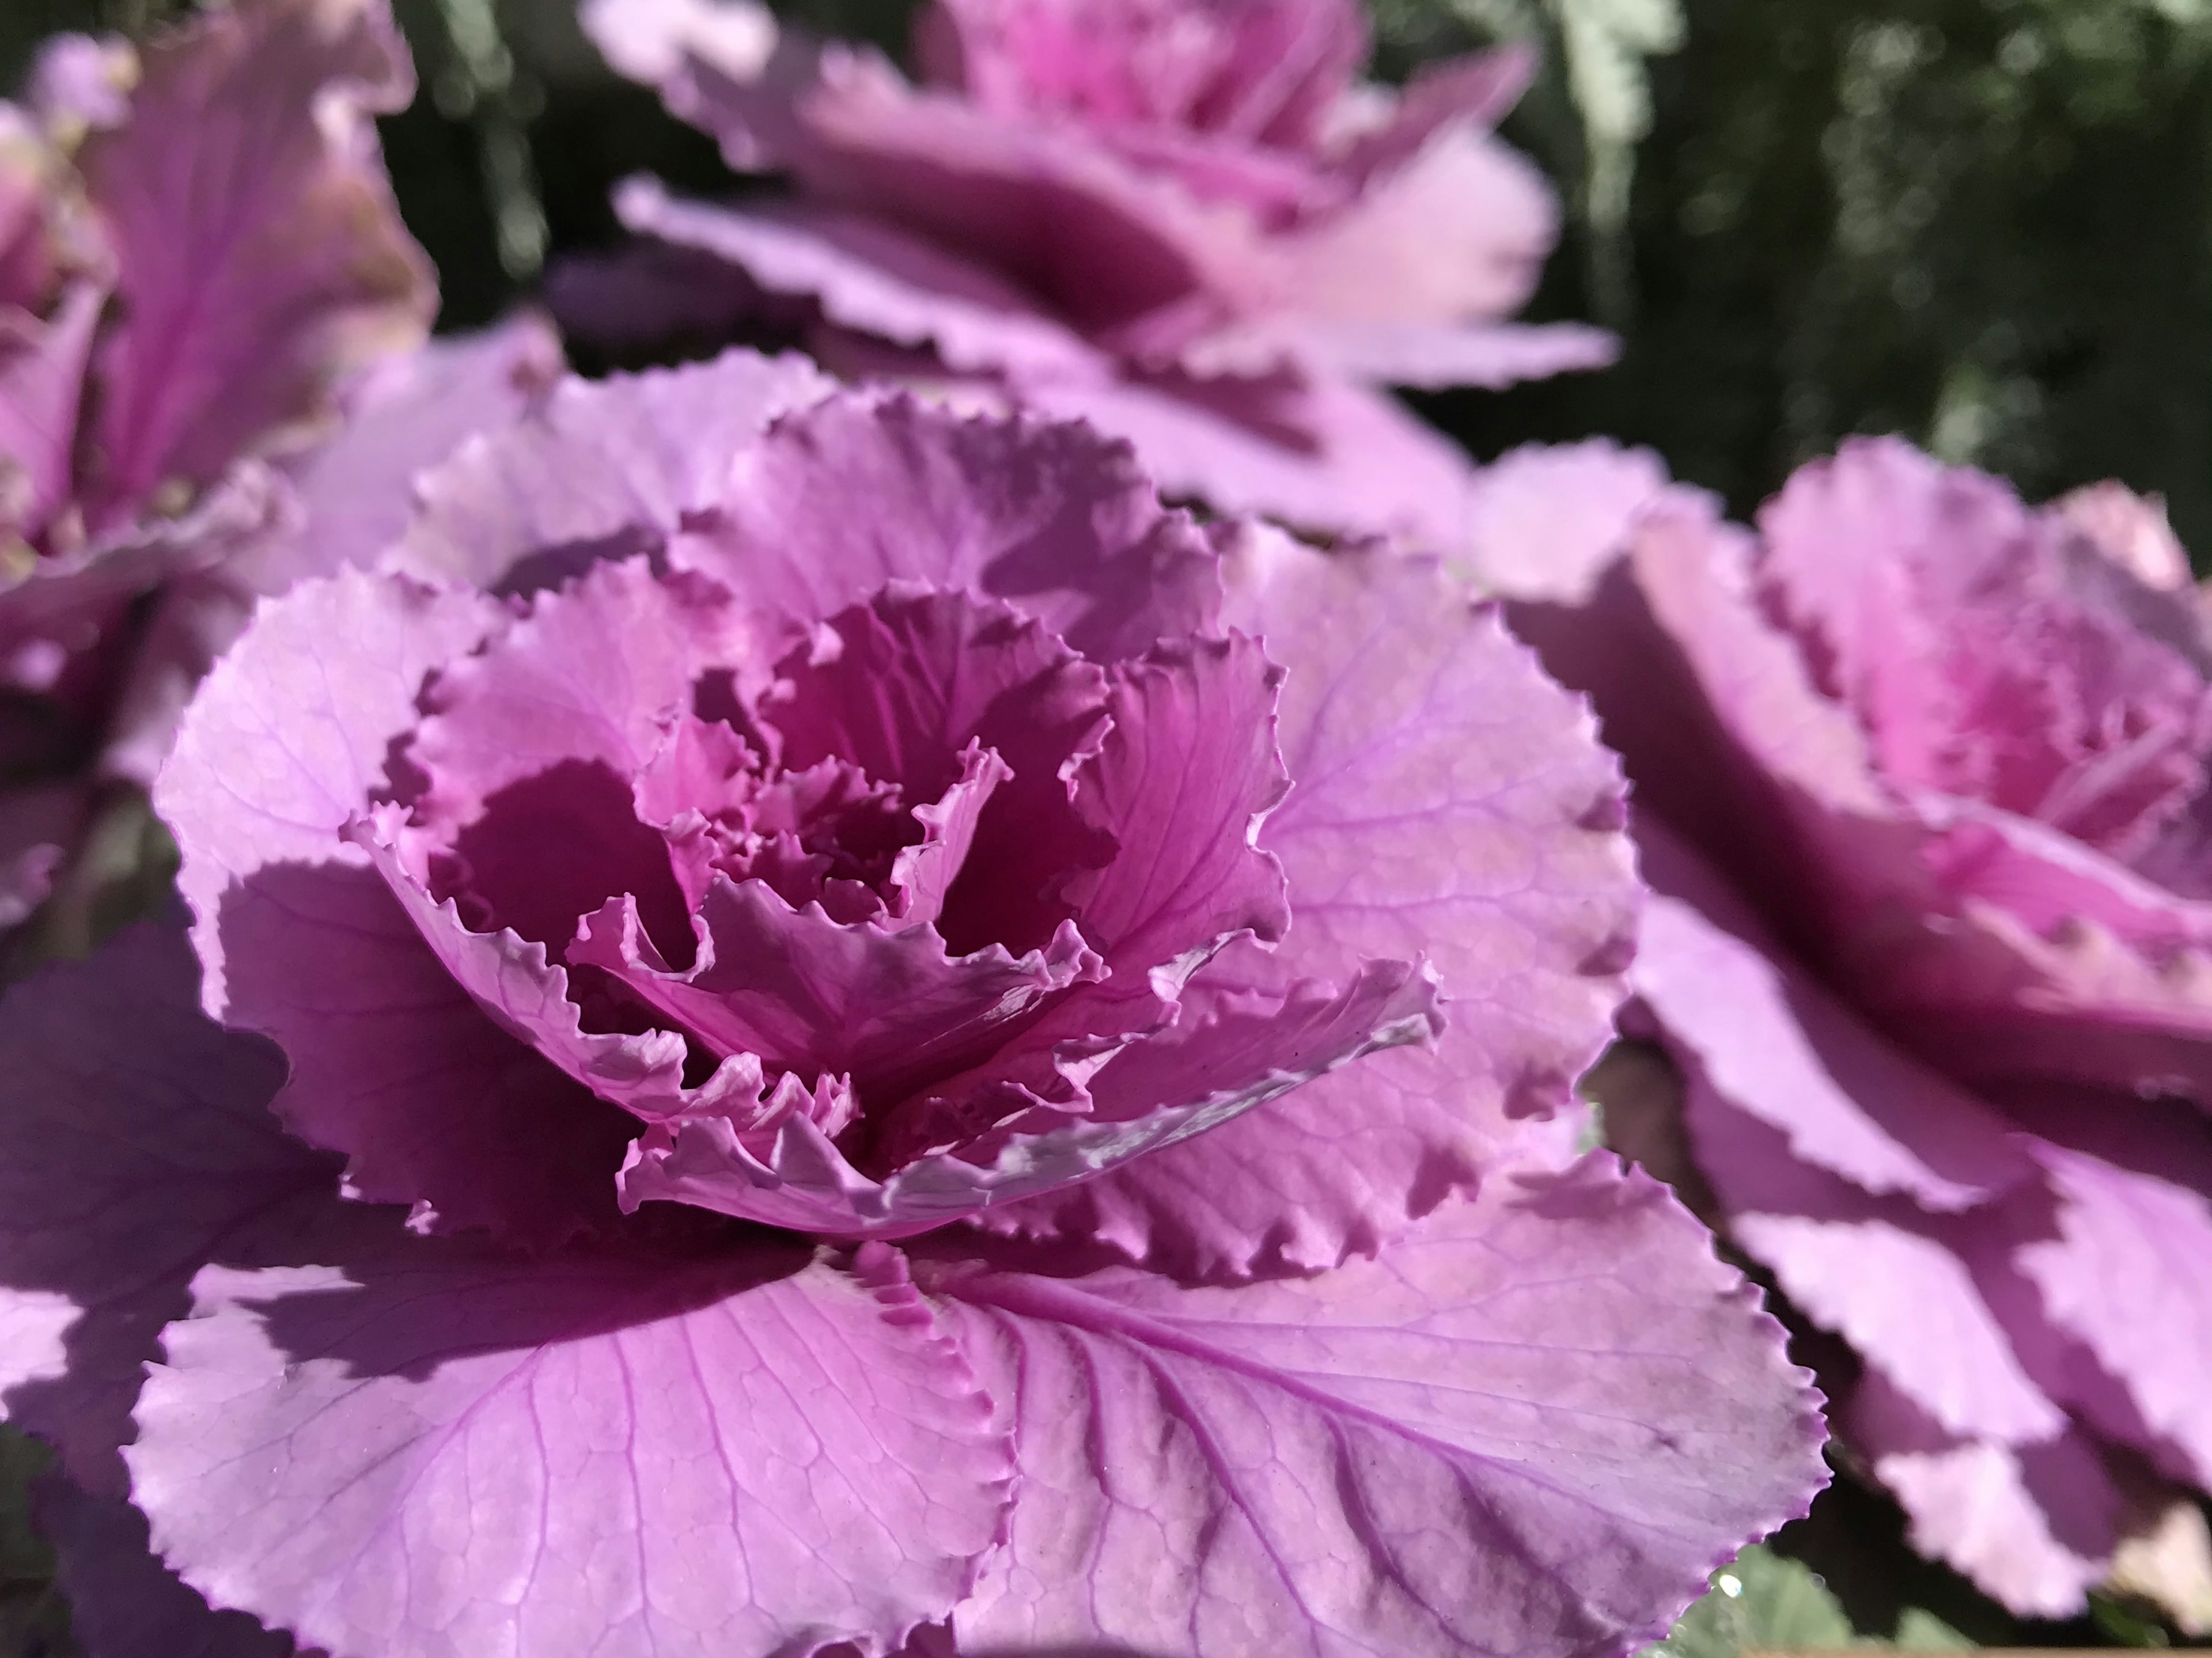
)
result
[(1531, 1426), (1325, 455), (1547, 520), (1448, 802), (596, 459), (867, 275), (288, 739), (2130, 1273), (1899, 1285), (259, 248), (1428, 356), (405, 416), (135, 1137), (591, 672), (2034, 1525), (1049, 516), (1458, 233), (424, 1451), (391, 1059), (1776, 1045)]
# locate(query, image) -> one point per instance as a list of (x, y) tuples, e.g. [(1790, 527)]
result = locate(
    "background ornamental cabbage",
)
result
[(1186, 220), (204, 274), (917, 1049), (1920, 787)]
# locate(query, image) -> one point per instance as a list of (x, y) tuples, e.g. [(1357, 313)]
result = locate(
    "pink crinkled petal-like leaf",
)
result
[(900, 682), (1105, 240), (2034, 1525), (1448, 802), (258, 251), (890, 1010), (2130, 1271), (405, 416), (2131, 529), (1899, 1285), (869, 277), (1205, 1073), (1456, 234), (135, 1139), (1777, 1046), (123, 1601), (2054, 960), (42, 364), (923, 874), (1324, 455), (513, 986), (1547, 520), (426, 1451), (390, 1060), (1480, 88), (1531, 1426), (1268, 72), (593, 462), (1054, 520), (1425, 356), (289, 736), (1183, 780), (590, 675)]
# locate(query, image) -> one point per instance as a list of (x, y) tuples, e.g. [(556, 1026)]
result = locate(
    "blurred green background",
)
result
[(1985, 223)]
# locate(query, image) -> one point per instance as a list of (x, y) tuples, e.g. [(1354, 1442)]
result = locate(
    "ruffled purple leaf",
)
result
[(391, 1059), (402, 417), (2128, 1272), (1223, 1062), (421, 1448), (887, 1009), (868, 277), (1447, 802), (258, 248), (1048, 518), (2034, 1525), (1776, 1045), (1559, 1369), (630, 455)]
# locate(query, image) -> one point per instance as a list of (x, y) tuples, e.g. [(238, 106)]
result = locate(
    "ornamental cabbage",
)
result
[(840, 1030)]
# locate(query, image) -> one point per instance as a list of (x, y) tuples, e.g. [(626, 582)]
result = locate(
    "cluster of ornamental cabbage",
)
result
[(801, 1018)]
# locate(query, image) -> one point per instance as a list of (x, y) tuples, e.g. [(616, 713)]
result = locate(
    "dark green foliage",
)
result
[(1984, 223)]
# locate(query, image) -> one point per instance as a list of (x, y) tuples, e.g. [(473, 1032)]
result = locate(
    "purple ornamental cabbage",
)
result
[(1920, 777), (881, 1042), (199, 256), (1187, 220)]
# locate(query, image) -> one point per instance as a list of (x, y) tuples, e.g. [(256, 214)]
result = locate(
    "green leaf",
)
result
[(1919, 1630), (1760, 1600)]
